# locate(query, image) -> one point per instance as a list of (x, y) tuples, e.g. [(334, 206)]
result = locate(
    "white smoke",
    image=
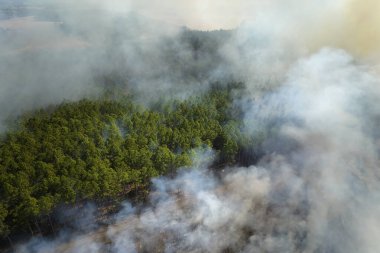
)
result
[(317, 187), (52, 51), (319, 194)]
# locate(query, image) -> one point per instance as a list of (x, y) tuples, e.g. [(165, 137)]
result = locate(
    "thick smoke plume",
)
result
[(312, 90), (316, 190)]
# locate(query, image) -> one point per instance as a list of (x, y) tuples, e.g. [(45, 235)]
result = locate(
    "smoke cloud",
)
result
[(67, 50), (318, 192), (312, 89)]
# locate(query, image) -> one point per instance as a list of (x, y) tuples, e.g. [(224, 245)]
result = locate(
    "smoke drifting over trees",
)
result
[(64, 48), (311, 101)]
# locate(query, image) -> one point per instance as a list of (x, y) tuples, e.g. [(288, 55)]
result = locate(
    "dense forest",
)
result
[(96, 150)]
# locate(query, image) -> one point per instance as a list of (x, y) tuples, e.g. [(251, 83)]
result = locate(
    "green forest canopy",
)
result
[(98, 149)]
